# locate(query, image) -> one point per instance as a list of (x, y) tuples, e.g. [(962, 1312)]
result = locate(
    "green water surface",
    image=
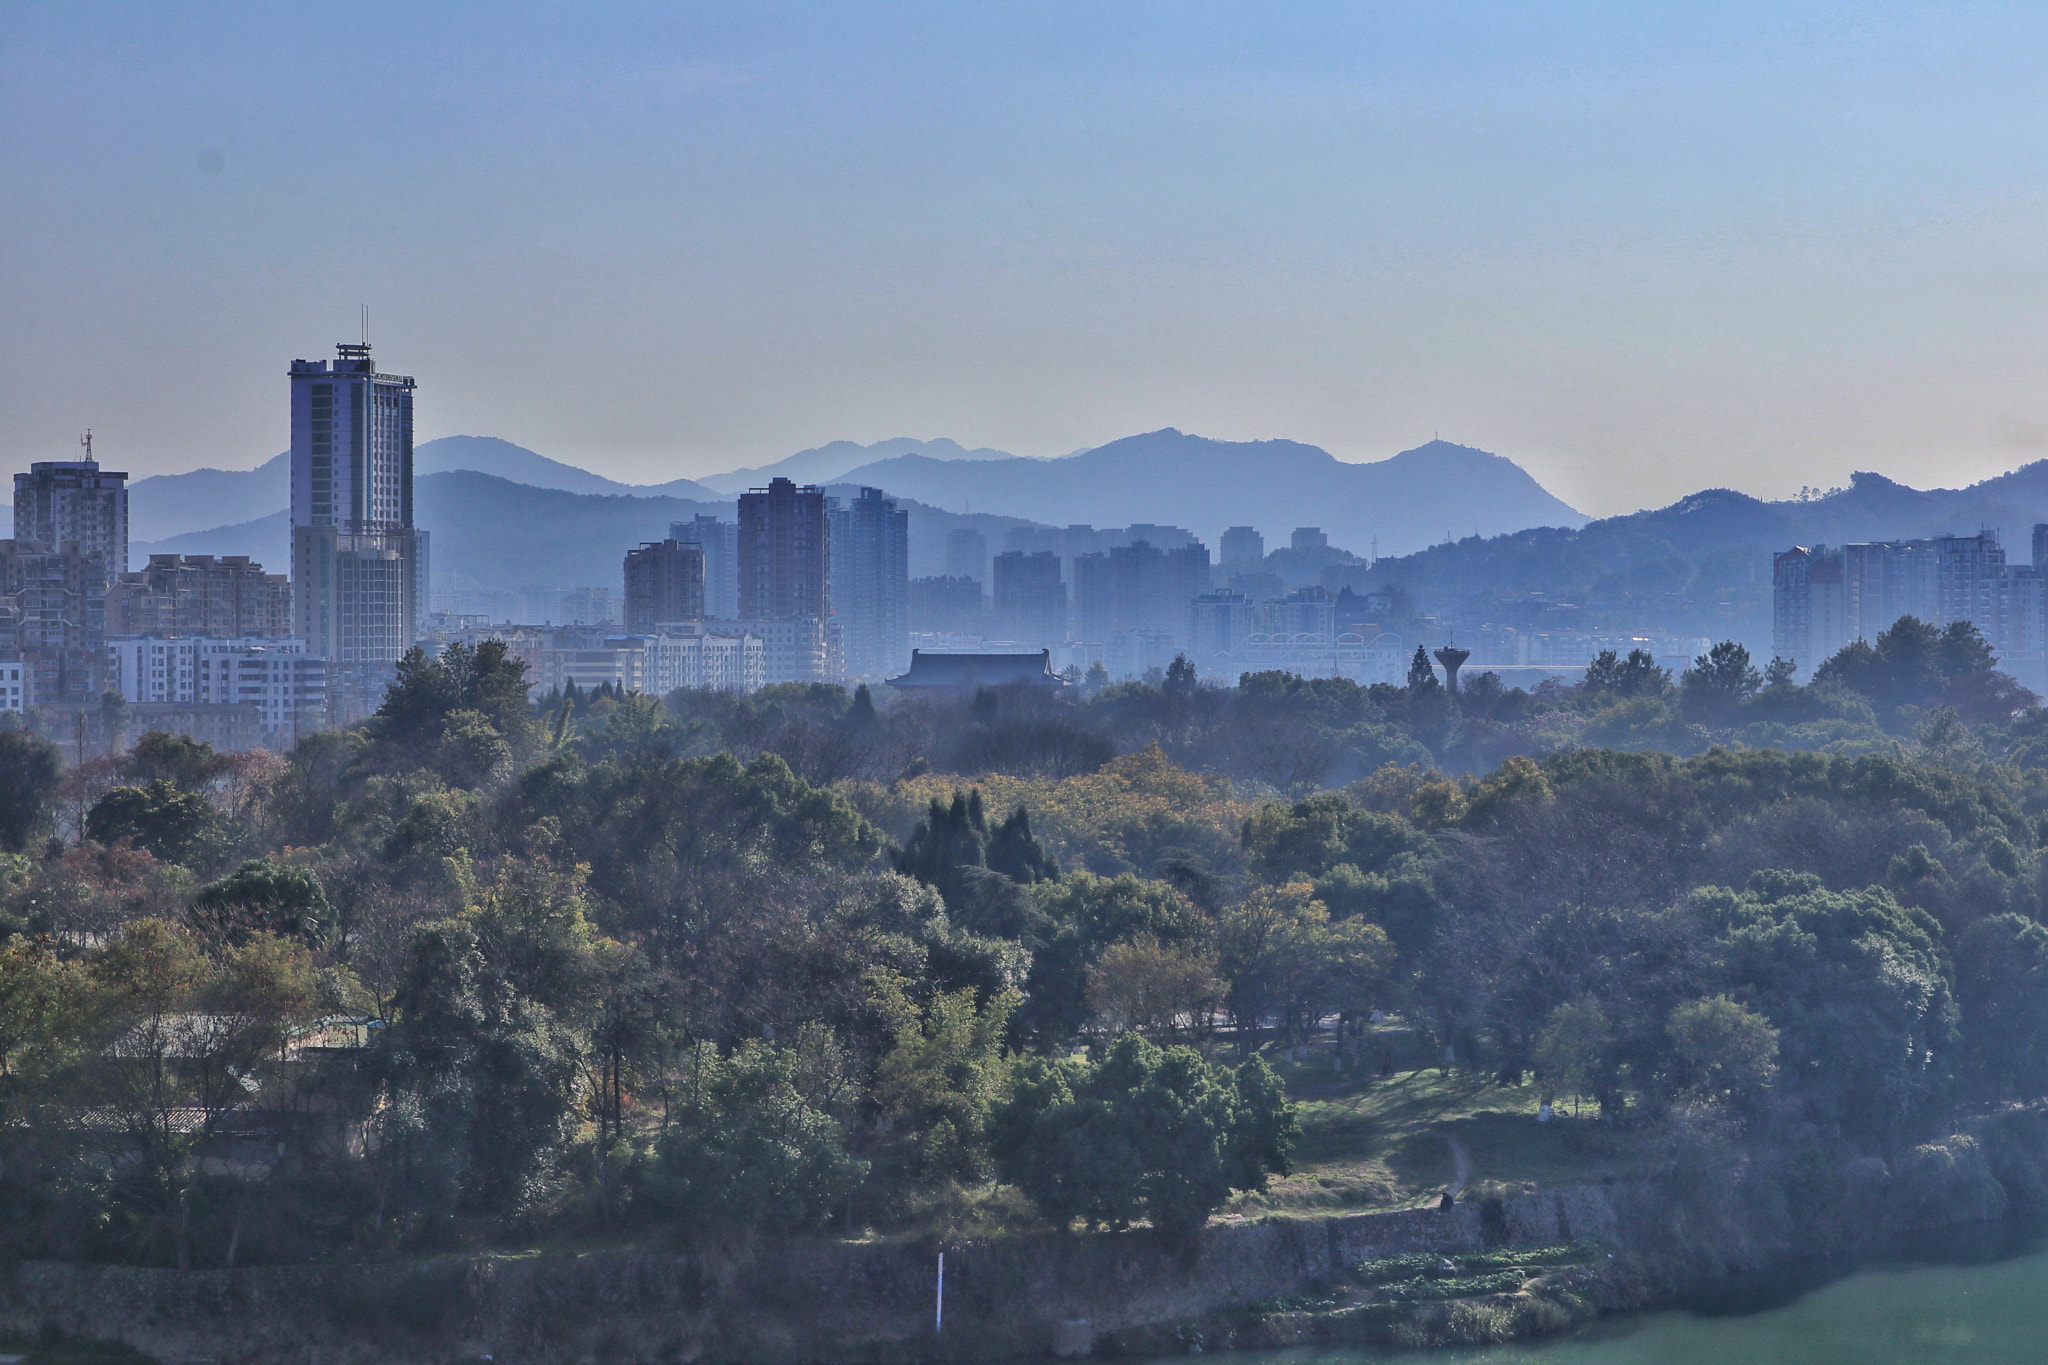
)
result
[(1925, 1315)]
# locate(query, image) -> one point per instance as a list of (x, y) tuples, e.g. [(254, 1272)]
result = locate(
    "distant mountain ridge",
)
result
[(1164, 477), (1406, 502), (1702, 564), (164, 506), (829, 463), (563, 539)]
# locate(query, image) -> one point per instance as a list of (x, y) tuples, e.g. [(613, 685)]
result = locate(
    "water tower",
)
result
[(1452, 658)]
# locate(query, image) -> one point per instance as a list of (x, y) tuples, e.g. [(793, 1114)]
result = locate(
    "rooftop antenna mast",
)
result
[(86, 441), (366, 322)]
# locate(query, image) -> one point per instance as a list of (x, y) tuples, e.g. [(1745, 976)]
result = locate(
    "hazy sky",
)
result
[(1638, 248)]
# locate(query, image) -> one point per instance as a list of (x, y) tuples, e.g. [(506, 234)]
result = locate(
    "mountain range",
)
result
[(1415, 498), (1701, 565), (829, 463), (564, 539), (1168, 477), (166, 505), (1164, 477)]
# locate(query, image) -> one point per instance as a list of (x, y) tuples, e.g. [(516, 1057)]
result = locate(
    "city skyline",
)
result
[(1745, 245)]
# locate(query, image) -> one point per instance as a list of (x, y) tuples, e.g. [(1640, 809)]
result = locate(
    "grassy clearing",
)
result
[(1387, 1143)]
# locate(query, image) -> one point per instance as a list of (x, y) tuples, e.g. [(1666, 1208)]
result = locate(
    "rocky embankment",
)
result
[(1487, 1269)]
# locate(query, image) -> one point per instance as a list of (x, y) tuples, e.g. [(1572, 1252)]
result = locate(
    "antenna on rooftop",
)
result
[(86, 441), (366, 322)]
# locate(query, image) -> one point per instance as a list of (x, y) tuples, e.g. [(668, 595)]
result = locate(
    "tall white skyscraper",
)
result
[(359, 568)]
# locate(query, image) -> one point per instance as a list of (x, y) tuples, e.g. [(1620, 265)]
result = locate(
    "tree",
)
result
[(2002, 988), (1722, 1048), (1575, 1052), (1913, 665), (944, 1073), (1084, 916), (45, 1003), (1282, 954), (473, 750), (1780, 672), (187, 763), (84, 895), (1518, 781), (177, 826), (113, 720), (483, 678), (1308, 838), (1147, 1133), (948, 842), (860, 712), (1422, 681), (1180, 678), (483, 1060), (29, 771), (1018, 854), (265, 897), (1858, 987), (185, 1039), (1146, 987), (1635, 676), (1718, 682), (748, 1149)]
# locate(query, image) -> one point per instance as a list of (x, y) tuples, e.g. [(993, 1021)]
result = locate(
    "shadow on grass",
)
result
[(1384, 1140)]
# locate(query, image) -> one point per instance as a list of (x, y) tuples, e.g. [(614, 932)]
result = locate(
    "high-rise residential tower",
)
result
[(967, 554), (53, 617), (1243, 547), (870, 584), (1826, 597), (785, 552), (59, 502), (1139, 588), (720, 543), (785, 563), (1030, 598), (359, 568), (664, 585)]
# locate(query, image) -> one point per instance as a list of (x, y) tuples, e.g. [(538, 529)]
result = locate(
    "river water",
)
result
[(1994, 1314)]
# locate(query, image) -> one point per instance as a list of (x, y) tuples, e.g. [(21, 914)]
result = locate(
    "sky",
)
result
[(1639, 249)]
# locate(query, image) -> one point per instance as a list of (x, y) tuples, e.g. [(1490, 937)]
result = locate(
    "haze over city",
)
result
[(790, 681), (1639, 252)]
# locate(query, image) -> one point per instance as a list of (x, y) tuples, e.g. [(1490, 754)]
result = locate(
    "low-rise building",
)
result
[(968, 672), (716, 656), (285, 686)]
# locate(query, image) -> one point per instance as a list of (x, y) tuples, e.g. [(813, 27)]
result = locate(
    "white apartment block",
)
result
[(14, 682), (693, 655), (286, 685)]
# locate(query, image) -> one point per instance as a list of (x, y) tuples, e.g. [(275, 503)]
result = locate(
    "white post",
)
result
[(939, 1313)]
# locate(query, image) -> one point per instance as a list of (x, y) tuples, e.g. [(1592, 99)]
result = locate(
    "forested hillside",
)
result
[(486, 971)]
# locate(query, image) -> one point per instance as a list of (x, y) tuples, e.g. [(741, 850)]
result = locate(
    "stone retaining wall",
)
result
[(776, 1303)]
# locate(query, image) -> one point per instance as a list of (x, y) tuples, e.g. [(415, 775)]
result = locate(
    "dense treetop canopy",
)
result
[(488, 967)]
